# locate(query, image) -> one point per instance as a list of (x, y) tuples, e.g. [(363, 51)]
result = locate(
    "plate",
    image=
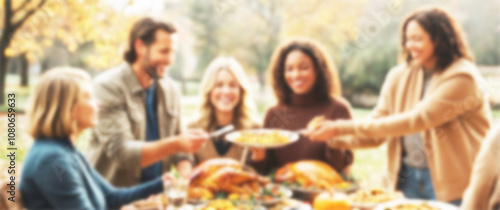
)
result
[(260, 142), (371, 205), (435, 204), (305, 194), (285, 192), (226, 204), (145, 205), (309, 194), (292, 204)]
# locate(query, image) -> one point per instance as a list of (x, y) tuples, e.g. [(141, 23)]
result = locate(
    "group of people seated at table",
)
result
[(432, 113)]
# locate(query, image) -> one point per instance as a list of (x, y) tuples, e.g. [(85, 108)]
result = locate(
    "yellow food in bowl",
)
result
[(374, 195), (422, 206), (262, 138)]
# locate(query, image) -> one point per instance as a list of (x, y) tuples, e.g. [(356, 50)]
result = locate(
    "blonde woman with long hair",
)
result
[(225, 100), (55, 174)]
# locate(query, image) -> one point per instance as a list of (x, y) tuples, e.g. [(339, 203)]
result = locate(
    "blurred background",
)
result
[(361, 37)]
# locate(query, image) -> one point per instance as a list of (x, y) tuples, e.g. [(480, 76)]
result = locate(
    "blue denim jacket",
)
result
[(57, 176)]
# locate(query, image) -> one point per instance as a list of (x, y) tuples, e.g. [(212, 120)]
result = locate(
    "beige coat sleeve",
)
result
[(382, 109), (485, 174), (453, 97)]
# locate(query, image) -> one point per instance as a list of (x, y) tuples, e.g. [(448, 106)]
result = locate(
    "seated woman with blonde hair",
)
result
[(225, 100), (56, 175)]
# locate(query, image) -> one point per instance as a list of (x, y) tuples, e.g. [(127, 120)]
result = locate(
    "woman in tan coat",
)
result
[(432, 112)]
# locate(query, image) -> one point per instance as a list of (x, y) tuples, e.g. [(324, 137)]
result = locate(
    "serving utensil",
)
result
[(223, 130)]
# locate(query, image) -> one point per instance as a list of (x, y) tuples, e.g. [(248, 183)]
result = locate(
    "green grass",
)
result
[(495, 113), (21, 98), (368, 162), (21, 93), (360, 113)]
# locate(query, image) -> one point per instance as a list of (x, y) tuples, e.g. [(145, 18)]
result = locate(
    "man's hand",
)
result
[(192, 140), (188, 142), (324, 131)]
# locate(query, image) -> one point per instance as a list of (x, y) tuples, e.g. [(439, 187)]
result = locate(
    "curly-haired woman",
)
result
[(431, 111), (306, 85)]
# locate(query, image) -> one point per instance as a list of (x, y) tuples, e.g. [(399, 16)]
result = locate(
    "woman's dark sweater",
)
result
[(296, 116)]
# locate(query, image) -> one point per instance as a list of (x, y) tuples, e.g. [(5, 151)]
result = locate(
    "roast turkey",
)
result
[(309, 173), (223, 175)]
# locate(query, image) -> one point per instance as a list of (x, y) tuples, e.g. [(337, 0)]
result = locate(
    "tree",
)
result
[(266, 37), (206, 25), (14, 18), (31, 26), (251, 29), (24, 70)]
